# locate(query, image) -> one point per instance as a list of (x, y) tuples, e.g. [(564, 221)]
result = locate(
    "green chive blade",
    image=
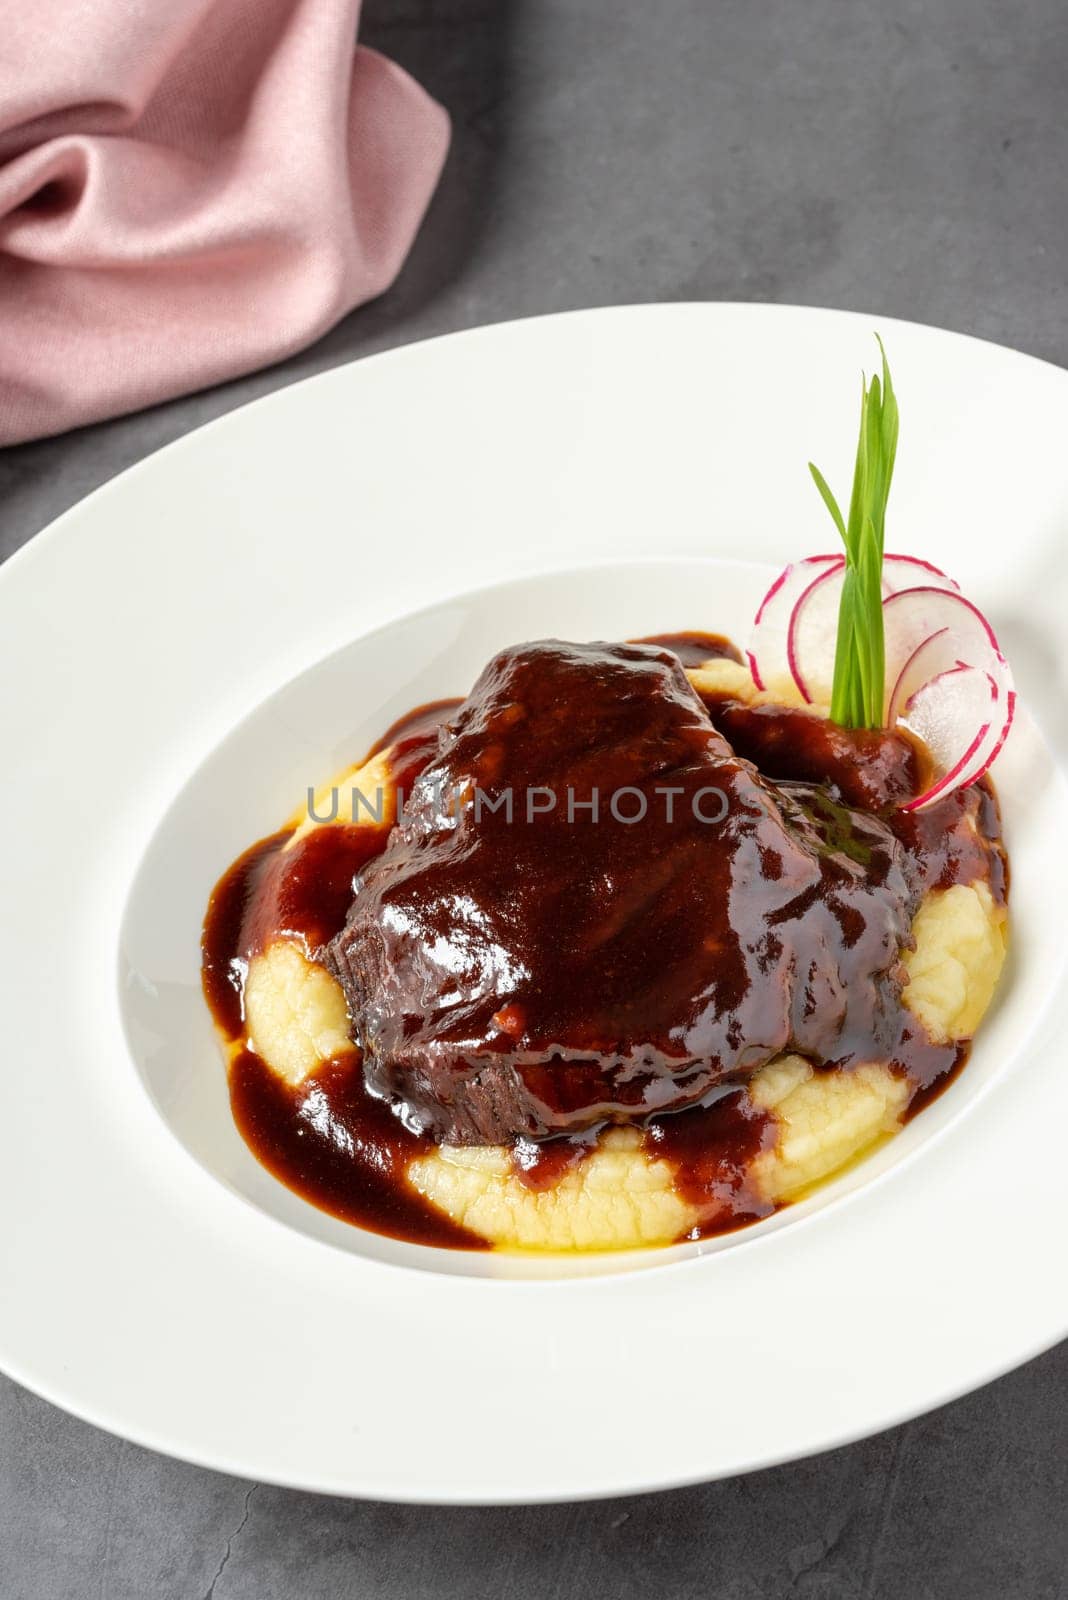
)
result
[(828, 499), (859, 684)]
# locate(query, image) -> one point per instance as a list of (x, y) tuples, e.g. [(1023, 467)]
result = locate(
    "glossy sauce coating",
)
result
[(345, 1151), (694, 649), (516, 969), (712, 1149), (330, 1140), (226, 943), (340, 1148)]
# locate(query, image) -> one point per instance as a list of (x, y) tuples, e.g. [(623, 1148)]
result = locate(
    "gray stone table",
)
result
[(906, 157)]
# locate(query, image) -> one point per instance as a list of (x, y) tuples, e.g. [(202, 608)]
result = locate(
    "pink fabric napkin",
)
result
[(190, 189)]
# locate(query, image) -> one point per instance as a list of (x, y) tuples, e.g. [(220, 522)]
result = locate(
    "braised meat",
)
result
[(592, 910)]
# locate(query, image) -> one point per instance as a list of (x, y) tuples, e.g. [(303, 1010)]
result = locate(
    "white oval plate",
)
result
[(141, 639)]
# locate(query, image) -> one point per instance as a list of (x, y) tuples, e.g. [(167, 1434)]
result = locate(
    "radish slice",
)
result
[(902, 572), (924, 663), (1006, 728), (963, 716), (812, 636), (913, 616), (795, 629), (767, 652), (813, 630), (952, 686), (953, 714), (947, 679)]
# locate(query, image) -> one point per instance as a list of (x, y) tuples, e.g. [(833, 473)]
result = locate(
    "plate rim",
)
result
[(58, 530)]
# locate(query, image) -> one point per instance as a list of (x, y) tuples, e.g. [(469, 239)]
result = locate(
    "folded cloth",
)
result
[(190, 189)]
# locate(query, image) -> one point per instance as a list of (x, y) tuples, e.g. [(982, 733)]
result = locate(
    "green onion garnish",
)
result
[(859, 687)]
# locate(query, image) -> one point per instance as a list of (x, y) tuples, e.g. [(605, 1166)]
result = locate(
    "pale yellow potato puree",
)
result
[(618, 1196)]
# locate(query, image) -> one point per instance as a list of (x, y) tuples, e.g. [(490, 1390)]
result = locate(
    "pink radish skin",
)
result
[(912, 615), (977, 759), (932, 715), (923, 571), (767, 651), (1002, 725), (953, 714), (911, 676), (954, 779), (792, 654), (931, 633), (796, 626), (1010, 718), (813, 630), (785, 576), (950, 683)]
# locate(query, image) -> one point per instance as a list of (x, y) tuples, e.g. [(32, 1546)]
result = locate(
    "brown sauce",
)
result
[(329, 1140), (932, 1067), (340, 1148), (693, 648), (541, 1163), (223, 948), (958, 840), (414, 738), (343, 1149), (873, 770), (303, 892), (538, 973), (712, 1149)]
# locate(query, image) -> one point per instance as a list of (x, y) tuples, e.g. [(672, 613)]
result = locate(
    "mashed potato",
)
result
[(960, 949), (295, 1013), (618, 1196), (615, 1198), (726, 677), (371, 779)]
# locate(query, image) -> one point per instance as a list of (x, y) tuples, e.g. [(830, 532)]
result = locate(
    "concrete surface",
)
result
[(906, 158)]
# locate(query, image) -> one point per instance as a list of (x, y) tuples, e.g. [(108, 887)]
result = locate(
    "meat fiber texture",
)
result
[(650, 919)]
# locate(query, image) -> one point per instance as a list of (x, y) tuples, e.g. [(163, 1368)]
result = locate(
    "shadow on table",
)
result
[(459, 51)]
